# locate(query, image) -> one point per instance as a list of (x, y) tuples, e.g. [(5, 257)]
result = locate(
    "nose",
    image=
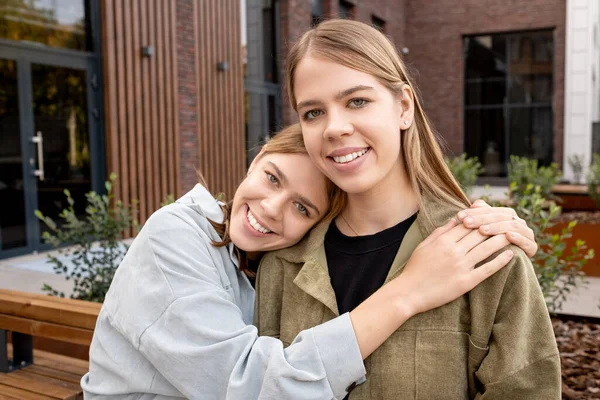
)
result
[(273, 206), (338, 125)]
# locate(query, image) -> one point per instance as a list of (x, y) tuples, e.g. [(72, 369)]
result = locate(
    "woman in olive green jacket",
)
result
[(365, 129)]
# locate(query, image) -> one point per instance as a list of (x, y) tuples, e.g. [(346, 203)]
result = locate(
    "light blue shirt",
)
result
[(177, 323)]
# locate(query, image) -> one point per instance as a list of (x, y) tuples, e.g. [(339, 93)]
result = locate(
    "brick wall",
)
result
[(296, 19), (187, 94), (434, 34)]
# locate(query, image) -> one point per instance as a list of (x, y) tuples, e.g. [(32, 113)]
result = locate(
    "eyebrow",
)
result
[(285, 181), (338, 97)]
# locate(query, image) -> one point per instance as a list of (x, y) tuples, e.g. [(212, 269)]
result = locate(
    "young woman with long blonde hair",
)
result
[(365, 129)]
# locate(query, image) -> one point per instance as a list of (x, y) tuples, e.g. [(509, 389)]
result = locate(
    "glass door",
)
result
[(13, 222), (50, 115), (61, 154), (45, 148)]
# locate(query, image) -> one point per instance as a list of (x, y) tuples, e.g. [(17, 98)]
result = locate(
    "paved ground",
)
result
[(29, 273)]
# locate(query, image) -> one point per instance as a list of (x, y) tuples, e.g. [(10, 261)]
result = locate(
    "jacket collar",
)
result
[(314, 278)]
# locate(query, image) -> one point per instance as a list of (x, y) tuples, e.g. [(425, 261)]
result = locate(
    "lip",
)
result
[(352, 165), (249, 227), (344, 151)]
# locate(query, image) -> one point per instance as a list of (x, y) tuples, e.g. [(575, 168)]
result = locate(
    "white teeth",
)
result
[(254, 223), (349, 157)]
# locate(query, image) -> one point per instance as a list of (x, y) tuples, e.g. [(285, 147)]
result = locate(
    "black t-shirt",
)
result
[(358, 265)]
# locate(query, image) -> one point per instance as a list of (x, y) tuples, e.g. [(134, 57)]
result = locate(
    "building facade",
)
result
[(151, 90), (496, 78), (158, 91)]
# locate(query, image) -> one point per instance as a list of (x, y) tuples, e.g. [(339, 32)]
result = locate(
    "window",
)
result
[(378, 23), (57, 23), (346, 10), (508, 98), (262, 100)]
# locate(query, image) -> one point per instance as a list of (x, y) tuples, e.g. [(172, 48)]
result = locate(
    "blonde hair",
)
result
[(363, 48), (287, 141)]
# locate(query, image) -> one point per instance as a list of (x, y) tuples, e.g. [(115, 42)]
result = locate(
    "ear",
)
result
[(407, 104)]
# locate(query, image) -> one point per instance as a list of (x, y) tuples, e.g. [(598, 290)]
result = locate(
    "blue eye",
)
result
[(272, 178), (358, 103), (302, 209), (312, 114)]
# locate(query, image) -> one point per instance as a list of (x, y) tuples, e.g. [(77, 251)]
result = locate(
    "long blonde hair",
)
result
[(363, 48), (287, 141)]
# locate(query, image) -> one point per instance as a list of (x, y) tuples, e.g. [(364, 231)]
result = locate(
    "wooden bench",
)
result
[(26, 370)]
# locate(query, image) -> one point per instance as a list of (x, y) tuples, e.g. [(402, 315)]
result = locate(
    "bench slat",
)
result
[(63, 363), (63, 313), (26, 374), (22, 394), (59, 300), (53, 373), (46, 329), (38, 386)]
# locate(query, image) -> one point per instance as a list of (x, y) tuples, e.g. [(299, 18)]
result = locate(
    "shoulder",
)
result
[(192, 214)]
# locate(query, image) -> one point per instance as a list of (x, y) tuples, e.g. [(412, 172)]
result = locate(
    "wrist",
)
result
[(405, 304)]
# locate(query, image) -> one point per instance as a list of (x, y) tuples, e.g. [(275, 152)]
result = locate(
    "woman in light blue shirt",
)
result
[(177, 320)]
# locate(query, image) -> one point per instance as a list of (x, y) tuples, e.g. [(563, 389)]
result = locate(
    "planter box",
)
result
[(574, 197), (590, 233)]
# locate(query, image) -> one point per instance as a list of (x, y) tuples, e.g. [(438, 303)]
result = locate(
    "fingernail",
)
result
[(462, 214), (485, 229), (510, 254), (512, 235), (468, 220)]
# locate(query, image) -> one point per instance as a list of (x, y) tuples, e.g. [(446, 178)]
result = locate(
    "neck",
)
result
[(387, 204), (254, 255)]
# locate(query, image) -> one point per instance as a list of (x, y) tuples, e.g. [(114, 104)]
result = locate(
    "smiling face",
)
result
[(351, 124), (283, 196)]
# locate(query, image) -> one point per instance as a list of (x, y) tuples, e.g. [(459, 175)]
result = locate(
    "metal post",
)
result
[(4, 363), (22, 349)]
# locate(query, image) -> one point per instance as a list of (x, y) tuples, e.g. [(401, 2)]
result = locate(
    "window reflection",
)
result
[(54, 23)]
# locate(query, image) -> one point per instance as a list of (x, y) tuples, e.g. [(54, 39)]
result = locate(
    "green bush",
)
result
[(593, 180), (523, 172), (465, 170), (557, 268), (94, 243)]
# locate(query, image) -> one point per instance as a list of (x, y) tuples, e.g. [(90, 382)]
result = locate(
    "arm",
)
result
[(198, 339), (523, 360)]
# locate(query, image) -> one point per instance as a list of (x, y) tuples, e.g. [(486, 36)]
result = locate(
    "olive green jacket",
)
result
[(495, 342)]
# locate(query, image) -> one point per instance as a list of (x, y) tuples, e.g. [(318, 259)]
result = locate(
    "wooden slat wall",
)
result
[(220, 96), (141, 98)]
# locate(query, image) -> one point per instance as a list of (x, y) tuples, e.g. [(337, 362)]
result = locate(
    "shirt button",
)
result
[(351, 387)]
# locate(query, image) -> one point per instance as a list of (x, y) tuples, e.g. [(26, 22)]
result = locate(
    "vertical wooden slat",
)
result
[(110, 83), (160, 55), (238, 101), (202, 106), (169, 99), (211, 161), (121, 104), (175, 107), (153, 84), (128, 107), (147, 175), (138, 156)]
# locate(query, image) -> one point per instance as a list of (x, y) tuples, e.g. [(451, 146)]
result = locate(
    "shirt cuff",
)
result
[(340, 354)]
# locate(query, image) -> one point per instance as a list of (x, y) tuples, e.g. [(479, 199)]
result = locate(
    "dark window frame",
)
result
[(506, 106)]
